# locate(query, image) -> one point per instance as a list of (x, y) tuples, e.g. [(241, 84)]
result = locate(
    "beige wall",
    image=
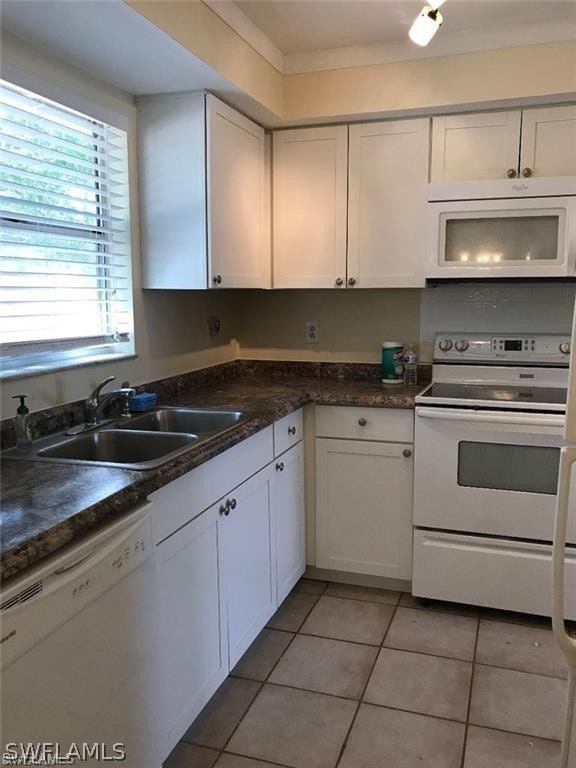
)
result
[(485, 79), (353, 324), (545, 71), (207, 36), (171, 327)]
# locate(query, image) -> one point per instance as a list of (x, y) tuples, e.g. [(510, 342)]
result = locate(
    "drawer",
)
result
[(186, 497), (494, 573), (288, 431), (391, 425)]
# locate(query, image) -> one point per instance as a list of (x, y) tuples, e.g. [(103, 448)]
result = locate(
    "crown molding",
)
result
[(237, 20), (464, 41)]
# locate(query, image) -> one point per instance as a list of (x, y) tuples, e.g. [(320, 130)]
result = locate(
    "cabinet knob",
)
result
[(406, 453), (511, 173), (564, 347), (280, 466), (224, 509), (217, 279), (527, 172), (351, 281), (362, 422), (231, 504), (339, 282), (291, 430)]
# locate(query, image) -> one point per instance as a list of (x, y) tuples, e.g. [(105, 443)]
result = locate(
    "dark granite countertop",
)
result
[(47, 506)]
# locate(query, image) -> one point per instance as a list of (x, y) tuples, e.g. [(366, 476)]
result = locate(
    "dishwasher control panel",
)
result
[(47, 597)]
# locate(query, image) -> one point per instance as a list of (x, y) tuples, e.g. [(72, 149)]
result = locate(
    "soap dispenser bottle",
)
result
[(22, 427)]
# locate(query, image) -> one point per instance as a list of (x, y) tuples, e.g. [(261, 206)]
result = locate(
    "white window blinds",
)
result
[(65, 276)]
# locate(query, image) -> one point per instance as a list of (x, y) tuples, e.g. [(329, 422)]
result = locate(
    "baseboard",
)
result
[(324, 574)]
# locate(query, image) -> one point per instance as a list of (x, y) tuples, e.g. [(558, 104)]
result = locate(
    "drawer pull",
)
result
[(224, 509), (407, 453), (291, 430), (280, 466), (231, 504), (362, 422)]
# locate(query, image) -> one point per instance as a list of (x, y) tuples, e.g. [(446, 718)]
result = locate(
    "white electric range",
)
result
[(487, 445)]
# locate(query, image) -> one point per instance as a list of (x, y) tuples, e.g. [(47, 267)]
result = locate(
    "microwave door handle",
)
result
[(525, 419), (567, 643)]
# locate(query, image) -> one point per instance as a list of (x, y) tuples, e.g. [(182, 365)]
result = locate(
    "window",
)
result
[(65, 265)]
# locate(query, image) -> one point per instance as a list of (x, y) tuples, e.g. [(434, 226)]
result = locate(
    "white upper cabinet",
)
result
[(548, 142), (499, 145), (203, 193), (388, 177), (475, 146), (309, 207), (237, 257)]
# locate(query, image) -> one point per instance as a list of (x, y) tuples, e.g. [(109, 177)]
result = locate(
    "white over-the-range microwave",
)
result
[(517, 228)]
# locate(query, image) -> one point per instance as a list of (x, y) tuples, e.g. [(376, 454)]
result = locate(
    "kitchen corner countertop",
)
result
[(48, 506)]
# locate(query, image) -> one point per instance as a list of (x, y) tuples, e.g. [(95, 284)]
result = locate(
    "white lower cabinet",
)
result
[(289, 521), (364, 507), (247, 561), (218, 569), (192, 621)]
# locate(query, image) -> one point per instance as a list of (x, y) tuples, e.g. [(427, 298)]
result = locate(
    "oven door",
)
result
[(529, 237), (487, 472)]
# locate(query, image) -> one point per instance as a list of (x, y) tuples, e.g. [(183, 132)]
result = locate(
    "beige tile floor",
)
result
[(351, 677)]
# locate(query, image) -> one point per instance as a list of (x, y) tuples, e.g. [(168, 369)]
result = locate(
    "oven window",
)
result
[(527, 468), (491, 240)]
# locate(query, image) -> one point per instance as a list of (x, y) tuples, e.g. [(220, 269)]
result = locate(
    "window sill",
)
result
[(62, 364)]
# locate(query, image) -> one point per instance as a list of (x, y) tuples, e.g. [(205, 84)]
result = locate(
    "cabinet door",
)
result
[(364, 507), (237, 216), (248, 562), (548, 142), (475, 146), (288, 516), (309, 207), (388, 177), (193, 621)]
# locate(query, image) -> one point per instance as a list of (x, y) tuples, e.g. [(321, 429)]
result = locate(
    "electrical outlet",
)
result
[(213, 326), (312, 332)]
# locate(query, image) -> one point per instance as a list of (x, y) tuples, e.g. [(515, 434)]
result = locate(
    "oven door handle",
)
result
[(477, 417)]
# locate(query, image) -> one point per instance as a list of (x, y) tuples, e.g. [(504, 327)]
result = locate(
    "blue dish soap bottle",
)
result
[(22, 426)]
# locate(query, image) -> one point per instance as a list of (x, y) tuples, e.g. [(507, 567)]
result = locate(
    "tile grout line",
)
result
[(264, 682), (467, 723), (362, 693), (398, 605)]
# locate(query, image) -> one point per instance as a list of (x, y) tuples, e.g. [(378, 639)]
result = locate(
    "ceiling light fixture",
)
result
[(427, 23)]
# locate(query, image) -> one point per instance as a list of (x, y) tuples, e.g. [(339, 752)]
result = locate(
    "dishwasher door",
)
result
[(79, 654)]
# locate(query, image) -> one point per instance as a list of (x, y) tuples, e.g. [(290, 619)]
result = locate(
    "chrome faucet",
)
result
[(95, 404)]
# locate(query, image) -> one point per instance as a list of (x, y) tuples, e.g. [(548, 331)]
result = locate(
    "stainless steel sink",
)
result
[(198, 421), (141, 442), (119, 448)]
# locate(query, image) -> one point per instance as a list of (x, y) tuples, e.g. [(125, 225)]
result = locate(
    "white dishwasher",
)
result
[(79, 654)]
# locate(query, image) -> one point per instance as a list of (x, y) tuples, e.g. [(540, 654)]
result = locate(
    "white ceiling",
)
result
[(310, 35), (114, 43), (302, 26)]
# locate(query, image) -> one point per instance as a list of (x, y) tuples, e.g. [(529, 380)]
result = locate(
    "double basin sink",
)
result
[(141, 442)]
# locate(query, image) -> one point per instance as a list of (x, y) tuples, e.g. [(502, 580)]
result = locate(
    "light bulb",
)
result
[(425, 26)]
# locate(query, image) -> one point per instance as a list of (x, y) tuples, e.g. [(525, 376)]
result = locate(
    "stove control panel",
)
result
[(519, 344), (497, 348)]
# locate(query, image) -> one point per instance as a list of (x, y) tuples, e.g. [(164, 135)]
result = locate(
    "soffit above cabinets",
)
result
[(311, 35)]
